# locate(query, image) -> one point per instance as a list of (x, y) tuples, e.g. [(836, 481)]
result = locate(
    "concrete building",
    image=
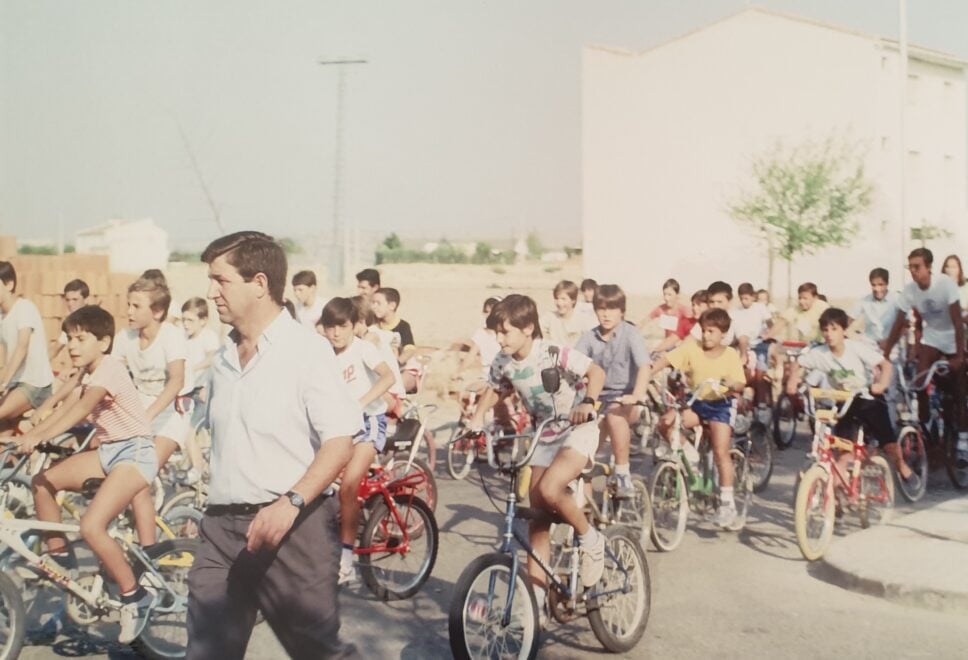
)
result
[(131, 245), (669, 135)]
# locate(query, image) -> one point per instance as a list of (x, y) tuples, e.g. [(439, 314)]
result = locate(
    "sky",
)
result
[(465, 122)]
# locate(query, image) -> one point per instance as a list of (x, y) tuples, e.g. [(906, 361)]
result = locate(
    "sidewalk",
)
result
[(919, 559)]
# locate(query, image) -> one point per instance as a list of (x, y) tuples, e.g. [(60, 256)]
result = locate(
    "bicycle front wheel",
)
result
[(460, 455), (493, 614), (742, 488), (636, 513), (877, 489), (814, 513), (165, 636), (760, 456), (784, 421), (956, 466), (398, 548), (911, 445), (670, 506), (12, 617), (618, 610)]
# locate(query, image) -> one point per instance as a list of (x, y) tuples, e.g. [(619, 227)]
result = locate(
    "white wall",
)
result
[(132, 247), (669, 134)]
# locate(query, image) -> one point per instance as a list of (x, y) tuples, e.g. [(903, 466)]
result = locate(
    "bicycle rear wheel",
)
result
[(460, 455), (784, 421), (398, 549), (670, 506), (877, 489), (760, 456), (814, 513), (12, 617), (486, 619), (911, 445), (166, 634), (742, 488), (619, 613), (426, 491), (955, 466)]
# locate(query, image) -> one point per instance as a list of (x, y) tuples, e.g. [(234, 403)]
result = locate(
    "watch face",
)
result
[(297, 500)]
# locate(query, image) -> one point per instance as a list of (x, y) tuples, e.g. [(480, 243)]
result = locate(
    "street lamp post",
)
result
[(339, 256)]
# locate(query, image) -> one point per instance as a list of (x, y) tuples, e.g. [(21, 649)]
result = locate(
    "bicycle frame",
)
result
[(380, 484)]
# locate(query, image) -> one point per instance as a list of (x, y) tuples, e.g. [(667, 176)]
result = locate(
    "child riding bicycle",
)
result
[(561, 456)]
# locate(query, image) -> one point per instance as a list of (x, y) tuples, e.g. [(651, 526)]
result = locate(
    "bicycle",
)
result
[(404, 444), (867, 488), (788, 410), (463, 449), (91, 596), (494, 612), (679, 486)]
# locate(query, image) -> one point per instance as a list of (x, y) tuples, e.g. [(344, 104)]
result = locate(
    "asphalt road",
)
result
[(724, 595)]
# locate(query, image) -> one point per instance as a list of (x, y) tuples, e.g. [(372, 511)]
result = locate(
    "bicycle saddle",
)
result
[(90, 487), (531, 513)]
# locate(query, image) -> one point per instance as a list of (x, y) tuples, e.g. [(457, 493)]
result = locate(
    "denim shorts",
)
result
[(138, 451), (34, 395), (374, 431), (715, 411)]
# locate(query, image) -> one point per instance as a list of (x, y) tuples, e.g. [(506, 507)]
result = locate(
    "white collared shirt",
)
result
[(269, 419)]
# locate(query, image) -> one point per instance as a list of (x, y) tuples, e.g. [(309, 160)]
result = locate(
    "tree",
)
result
[(805, 198), (289, 245), (535, 248), (392, 242)]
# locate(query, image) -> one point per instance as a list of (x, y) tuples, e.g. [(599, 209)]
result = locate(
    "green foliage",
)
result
[(445, 253), (185, 256), (37, 249), (392, 242), (552, 269), (535, 248), (289, 245), (927, 232)]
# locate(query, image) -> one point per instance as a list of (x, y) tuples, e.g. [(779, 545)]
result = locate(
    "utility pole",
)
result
[(339, 254), (902, 98)]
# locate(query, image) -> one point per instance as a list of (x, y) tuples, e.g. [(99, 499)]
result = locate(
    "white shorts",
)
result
[(582, 438), (171, 424)]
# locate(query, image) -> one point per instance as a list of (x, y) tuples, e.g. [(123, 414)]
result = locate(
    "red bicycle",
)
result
[(398, 543), (463, 449)]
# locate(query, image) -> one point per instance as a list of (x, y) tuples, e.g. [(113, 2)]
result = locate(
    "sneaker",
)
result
[(65, 565), (725, 515), (593, 561), (134, 616), (347, 575), (623, 487)]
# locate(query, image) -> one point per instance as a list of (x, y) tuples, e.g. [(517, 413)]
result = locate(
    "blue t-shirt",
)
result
[(620, 357)]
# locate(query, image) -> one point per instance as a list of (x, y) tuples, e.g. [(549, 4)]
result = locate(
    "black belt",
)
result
[(246, 509)]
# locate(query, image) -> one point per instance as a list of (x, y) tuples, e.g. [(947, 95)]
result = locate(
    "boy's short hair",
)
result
[(91, 318), (304, 278), (568, 287), (339, 311), (251, 253), (700, 297), (489, 304), (8, 274), (763, 291), (879, 274), (363, 310), (807, 287), (671, 284), (717, 318), (371, 275), (609, 296), (197, 305), (391, 294), (79, 286), (745, 289), (589, 284), (519, 312), (834, 316), (153, 284), (291, 308), (917, 253), (720, 287)]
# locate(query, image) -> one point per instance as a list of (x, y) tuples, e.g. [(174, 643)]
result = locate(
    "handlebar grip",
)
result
[(48, 448)]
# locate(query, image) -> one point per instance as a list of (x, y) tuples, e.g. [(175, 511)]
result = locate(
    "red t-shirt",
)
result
[(670, 319)]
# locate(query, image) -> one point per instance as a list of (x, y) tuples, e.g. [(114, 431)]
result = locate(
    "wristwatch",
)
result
[(296, 500), (590, 401)]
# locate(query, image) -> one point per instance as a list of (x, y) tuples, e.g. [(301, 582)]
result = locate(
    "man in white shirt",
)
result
[(282, 425), (937, 302)]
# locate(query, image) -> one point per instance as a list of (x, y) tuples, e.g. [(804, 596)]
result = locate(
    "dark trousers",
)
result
[(294, 587)]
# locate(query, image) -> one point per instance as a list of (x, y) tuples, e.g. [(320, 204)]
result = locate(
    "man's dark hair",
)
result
[(745, 289), (879, 274), (518, 311), (671, 284), (251, 253), (717, 318), (917, 253), (8, 274), (304, 278), (93, 319), (589, 284), (391, 294), (609, 296), (371, 275), (808, 287), (339, 311), (833, 315), (79, 286), (720, 287)]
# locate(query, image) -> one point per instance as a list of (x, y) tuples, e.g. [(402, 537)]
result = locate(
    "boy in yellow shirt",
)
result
[(710, 361)]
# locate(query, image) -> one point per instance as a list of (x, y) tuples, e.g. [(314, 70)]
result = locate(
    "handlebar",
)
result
[(535, 439), (938, 368)]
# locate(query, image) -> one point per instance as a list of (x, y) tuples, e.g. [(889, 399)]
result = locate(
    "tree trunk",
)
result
[(790, 282), (770, 263)]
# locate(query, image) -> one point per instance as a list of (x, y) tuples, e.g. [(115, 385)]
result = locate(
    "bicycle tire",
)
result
[(472, 609), (183, 521), (627, 560), (636, 513), (760, 456), (14, 615), (182, 498), (877, 487), (670, 506), (813, 490), (742, 488), (911, 445), (165, 636), (957, 469), (784, 421), (383, 528), (460, 455), (428, 491)]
